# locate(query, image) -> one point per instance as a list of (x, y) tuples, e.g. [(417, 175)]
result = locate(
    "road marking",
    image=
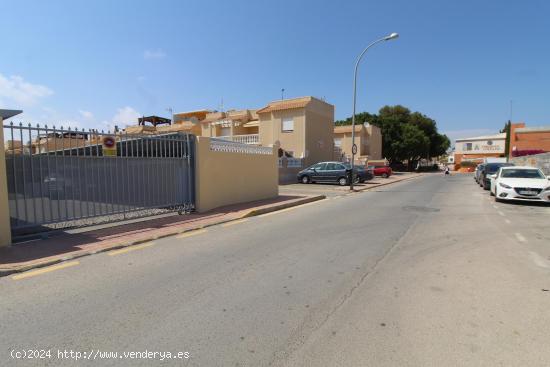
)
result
[(48, 269), (520, 237), (293, 208), (494, 206), (501, 213), (234, 222), (192, 233), (130, 248), (277, 212), (507, 221)]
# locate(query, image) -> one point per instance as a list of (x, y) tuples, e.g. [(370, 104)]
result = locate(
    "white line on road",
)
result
[(520, 237), (507, 221), (501, 213)]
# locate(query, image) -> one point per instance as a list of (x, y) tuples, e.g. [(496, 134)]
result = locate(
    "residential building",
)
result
[(300, 127), (236, 125), (528, 140), (368, 139), (480, 147)]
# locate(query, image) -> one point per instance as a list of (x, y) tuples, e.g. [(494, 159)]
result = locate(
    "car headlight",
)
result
[(504, 185)]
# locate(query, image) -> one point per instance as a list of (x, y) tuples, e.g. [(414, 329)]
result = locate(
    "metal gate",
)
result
[(66, 178)]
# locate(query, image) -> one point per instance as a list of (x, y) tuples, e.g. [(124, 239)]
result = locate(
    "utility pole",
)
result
[(282, 94)]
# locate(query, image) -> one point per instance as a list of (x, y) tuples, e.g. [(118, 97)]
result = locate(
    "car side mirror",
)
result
[(492, 176)]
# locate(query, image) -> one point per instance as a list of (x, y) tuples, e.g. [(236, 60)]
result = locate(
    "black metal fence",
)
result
[(63, 176)]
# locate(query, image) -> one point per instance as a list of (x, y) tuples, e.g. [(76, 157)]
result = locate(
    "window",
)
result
[(288, 124), (338, 143), (467, 146), (319, 166)]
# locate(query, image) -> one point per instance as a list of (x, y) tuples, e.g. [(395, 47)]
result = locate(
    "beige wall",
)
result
[(224, 178), (5, 230), (319, 134), (271, 130), (375, 142)]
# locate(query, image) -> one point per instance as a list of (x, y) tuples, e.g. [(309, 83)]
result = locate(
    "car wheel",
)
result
[(385, 175), (305, 179), (342, 181)]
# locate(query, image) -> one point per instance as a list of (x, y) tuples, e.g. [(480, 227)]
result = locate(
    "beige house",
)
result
[(301, 127), (368, 139)]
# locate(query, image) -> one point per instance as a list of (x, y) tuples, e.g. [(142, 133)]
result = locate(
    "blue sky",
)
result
[(96, 63)]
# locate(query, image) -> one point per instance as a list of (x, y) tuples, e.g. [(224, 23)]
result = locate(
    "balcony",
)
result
[(252, 139)]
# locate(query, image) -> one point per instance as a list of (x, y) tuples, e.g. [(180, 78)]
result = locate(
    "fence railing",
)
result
[(220, 145), (244, 139), (63, 176)]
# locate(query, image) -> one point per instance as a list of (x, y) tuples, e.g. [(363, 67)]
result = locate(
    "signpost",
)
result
[(109, 146)]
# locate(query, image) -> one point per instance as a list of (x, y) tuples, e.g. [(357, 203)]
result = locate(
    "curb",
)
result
[(387, 183), (250, 213)]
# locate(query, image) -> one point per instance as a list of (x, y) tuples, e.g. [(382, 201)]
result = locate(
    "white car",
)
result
[(520, 183)]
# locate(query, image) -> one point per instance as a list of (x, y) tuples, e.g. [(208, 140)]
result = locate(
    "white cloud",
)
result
[(124, 116), (86, 114), (15, 90), (154, 54)]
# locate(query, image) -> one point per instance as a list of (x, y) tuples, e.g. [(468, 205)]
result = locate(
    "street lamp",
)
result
[(353, 146)]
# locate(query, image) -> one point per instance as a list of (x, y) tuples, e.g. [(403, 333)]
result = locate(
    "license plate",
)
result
[(525, 192)]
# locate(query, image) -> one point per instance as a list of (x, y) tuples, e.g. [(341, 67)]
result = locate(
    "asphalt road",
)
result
[(426, 272)]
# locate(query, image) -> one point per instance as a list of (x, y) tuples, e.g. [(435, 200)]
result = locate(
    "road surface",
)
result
[(426, 272)]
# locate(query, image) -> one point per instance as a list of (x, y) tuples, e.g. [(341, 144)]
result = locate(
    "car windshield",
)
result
[(522, 173), (493, 168)]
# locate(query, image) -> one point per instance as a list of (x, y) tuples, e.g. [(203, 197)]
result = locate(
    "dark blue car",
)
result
[(333, 172)]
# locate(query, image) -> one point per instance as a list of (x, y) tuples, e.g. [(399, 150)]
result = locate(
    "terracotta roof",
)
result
[(347, 129), (286, 104)]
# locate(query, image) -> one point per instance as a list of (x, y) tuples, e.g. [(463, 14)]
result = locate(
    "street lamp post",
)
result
[(353, 146)]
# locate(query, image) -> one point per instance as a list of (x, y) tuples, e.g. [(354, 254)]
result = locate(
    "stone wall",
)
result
[(541, 161)]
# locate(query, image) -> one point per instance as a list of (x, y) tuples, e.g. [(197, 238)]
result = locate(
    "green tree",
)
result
[(360, 118), (506, 130), (406, 135)]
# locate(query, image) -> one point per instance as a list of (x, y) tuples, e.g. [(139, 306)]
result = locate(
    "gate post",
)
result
[(5, 230)]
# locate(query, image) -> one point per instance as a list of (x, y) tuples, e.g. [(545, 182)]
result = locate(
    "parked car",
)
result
[(490, 169), (384, 171), (477, 172), (520, 183), (332, 172)]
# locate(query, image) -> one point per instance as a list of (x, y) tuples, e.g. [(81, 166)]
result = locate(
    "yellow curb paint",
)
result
[(234, 222), (292, 208), (130, 248), (192, 233), (278, 211), (48, 269)]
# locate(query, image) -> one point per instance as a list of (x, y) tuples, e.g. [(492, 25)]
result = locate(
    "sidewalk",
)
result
[(66, 246)]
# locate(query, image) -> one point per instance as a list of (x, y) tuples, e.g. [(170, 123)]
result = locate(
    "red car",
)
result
[(384, 171)]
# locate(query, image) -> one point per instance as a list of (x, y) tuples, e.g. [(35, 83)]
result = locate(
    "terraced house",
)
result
[(299, 127)]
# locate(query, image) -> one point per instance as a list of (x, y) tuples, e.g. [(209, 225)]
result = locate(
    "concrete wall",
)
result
[(5, 229), (225, 178), (541, 161)]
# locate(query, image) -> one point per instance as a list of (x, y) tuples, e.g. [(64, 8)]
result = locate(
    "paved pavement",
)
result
[(426, 272), (331, 190)]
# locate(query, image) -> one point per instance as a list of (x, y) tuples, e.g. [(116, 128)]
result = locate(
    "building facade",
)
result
[(528, 140), (299, 127), (368, 139), (480, 147)]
